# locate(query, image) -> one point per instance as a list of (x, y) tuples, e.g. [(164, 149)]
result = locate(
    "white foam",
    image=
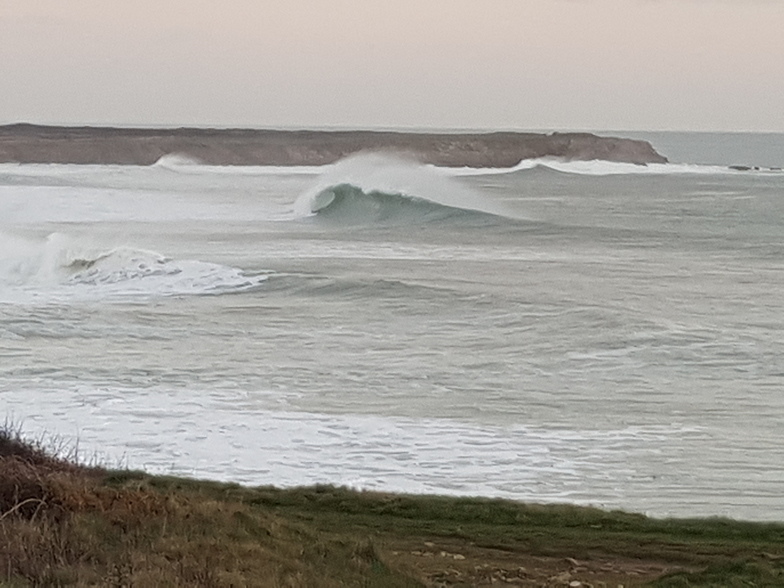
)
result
[(224, 435), (60, 269), (609, 168), (177, 163), (183, 163), (128, 272), (598, 167)]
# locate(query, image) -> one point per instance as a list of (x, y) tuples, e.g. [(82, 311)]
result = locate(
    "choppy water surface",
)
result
[(589, 332)]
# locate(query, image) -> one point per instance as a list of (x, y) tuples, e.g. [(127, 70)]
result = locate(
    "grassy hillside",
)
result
[(64, 524)]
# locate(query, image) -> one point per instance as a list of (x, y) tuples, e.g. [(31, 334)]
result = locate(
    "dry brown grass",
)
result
[(62, 524), (66, 524)]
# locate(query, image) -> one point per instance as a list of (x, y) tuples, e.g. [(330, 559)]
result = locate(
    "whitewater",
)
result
[(584, 332)]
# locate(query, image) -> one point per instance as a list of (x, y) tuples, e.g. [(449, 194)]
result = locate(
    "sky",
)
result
[(688, 65)]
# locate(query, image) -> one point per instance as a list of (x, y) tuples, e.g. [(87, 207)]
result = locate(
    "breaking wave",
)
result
[(59, 269), (598, 167), (183, 163), (347, 203), (374, 187), (175, 161)]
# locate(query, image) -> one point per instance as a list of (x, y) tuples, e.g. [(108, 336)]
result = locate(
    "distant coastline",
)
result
[(27, 143)]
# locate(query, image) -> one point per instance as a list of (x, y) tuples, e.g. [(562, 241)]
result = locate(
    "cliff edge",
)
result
[(25, 143)]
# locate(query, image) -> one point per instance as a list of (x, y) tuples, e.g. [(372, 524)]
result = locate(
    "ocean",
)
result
[(585, 332)]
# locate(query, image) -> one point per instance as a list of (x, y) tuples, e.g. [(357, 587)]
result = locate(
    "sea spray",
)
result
[(60, 268), (30, 261), (387, 174)]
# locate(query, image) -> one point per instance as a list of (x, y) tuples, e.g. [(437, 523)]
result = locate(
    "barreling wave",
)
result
[(379, 188), (59, 269), (349, 204)]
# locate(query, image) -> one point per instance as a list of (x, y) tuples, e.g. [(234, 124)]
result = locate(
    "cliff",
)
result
[(24, 143)]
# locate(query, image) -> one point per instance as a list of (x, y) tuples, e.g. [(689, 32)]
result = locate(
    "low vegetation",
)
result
[(67, 524)]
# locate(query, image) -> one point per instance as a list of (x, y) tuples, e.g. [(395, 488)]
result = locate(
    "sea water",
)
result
[(585, 332)]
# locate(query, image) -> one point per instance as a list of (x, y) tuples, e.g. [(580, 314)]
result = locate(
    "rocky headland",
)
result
[(26, 143)]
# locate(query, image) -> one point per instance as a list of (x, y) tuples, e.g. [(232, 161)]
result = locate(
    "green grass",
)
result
[(731, 574), (65, 524)]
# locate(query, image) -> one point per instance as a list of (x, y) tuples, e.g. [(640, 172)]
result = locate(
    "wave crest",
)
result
[(597, 167), (374, 187), (174, 161), (351, 204)]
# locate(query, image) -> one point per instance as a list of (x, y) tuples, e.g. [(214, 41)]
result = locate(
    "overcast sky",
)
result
[(516, 64)]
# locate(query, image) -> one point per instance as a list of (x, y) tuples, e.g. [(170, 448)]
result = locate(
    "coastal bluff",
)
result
[(26, 143)]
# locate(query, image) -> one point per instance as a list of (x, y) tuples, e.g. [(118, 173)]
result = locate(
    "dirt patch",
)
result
[(447, 563)]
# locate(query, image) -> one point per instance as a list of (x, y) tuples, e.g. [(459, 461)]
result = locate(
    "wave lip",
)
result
[(378, 187)]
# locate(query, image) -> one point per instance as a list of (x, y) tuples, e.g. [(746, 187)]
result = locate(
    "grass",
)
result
[(67, 524)]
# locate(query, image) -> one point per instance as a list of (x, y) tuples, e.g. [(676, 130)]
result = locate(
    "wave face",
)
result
[(59, 269), (373, 188), (351, 204)]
